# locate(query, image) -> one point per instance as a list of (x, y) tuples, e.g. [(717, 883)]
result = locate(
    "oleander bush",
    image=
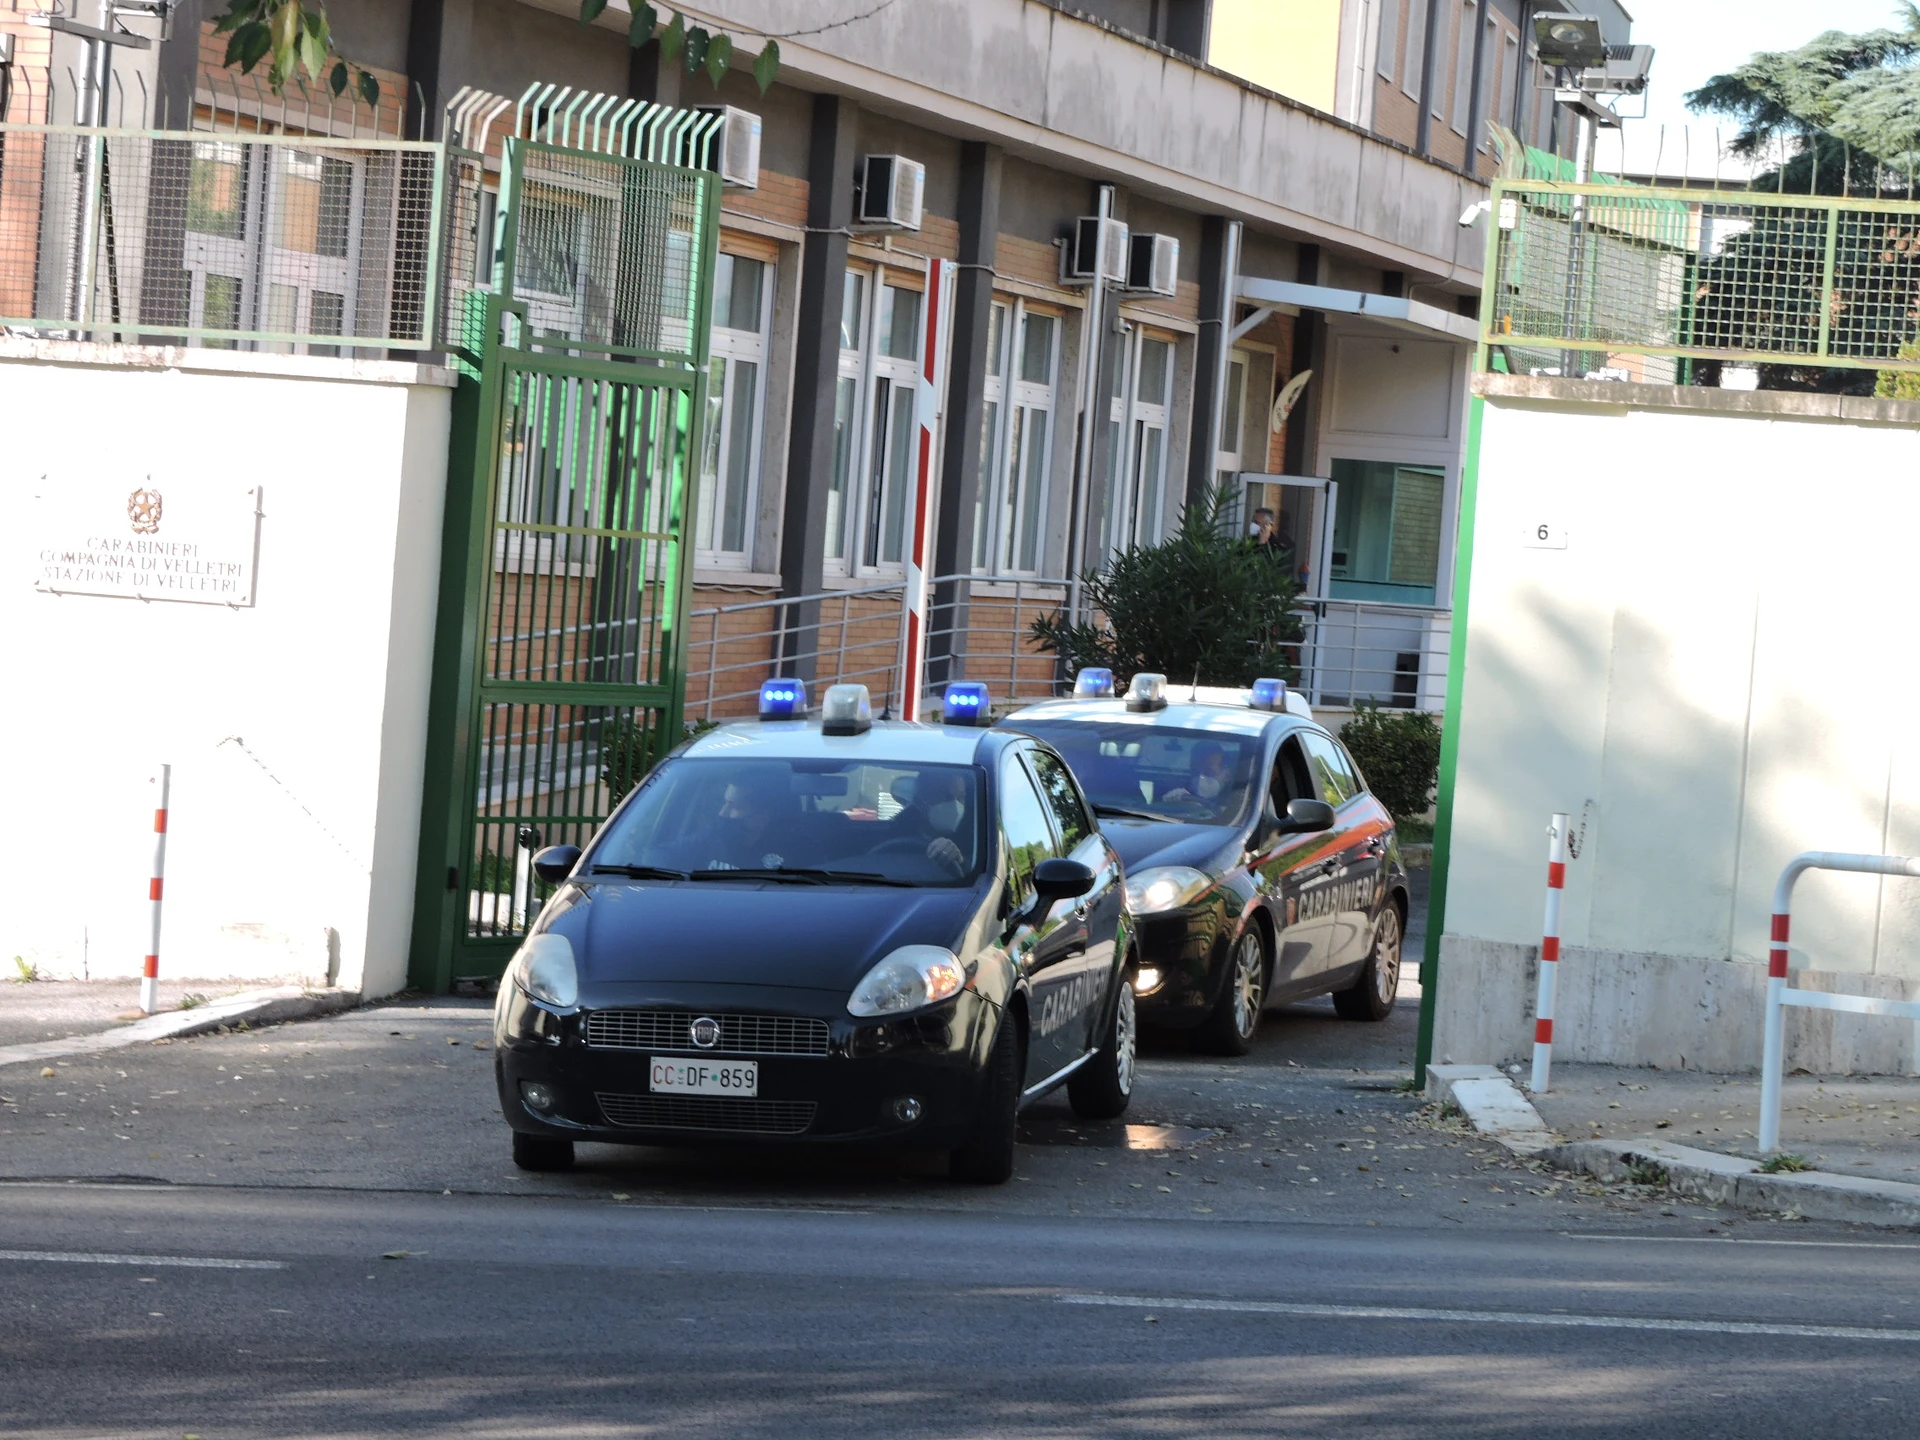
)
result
[(1399, 753)]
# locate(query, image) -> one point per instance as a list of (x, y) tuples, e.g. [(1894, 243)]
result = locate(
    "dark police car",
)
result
[(825, 930), (1259, 869)]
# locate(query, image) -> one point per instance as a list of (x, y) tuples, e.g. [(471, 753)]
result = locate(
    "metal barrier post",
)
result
[(1549, 954), (150, 970), (1773, 1055)]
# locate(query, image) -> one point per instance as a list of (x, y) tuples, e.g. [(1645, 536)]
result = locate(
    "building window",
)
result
[(1016, 439), (1416, 51), (1386, 532), (292, 221), (1388, 48), (875, 425), (1139, 402), (1509, 75), (736, 403), (1227, 461), (1463, 67)]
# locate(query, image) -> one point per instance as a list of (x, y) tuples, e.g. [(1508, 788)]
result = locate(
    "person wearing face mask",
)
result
[(1209, 776), (939, 813)]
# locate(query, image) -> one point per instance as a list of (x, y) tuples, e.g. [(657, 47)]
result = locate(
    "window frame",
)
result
[(730, 344), (869, 484), (1465, 32), (1003, 510), (1129, 418)]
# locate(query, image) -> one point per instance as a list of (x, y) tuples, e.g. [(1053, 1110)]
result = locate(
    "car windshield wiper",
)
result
[(641, 872), (803, 875), (1123, 813)]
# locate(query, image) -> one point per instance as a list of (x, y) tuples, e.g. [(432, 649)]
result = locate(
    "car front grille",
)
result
[(707, 1112), (739, 1034)]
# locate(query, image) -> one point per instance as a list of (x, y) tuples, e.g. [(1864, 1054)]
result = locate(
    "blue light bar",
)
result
[(966, 703), (783, 700), (1268, 694), (1093, 685)]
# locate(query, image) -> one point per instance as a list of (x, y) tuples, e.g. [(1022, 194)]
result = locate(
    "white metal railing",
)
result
[(1351, 650), (1779, 997)]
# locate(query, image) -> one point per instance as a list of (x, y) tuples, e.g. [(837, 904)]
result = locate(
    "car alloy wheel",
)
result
[(1126, 1038), (1249, 983), (1386, 957)]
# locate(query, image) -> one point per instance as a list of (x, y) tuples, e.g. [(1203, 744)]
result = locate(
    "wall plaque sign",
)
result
[(196, 542)]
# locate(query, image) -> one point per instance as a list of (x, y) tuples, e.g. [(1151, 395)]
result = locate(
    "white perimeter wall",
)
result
[(1720, 661), (325, 677)]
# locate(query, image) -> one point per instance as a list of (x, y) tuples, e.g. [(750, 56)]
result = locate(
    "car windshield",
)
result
[(871, 821), (1198, 777)]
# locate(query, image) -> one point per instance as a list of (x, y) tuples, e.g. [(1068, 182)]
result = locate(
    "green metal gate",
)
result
[(560, 658)]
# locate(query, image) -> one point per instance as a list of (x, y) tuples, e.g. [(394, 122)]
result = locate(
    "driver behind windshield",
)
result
[(937, 813), (743, 837), (1210, 775)]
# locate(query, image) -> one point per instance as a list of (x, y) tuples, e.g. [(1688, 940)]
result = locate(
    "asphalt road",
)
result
[(1287, 1244)]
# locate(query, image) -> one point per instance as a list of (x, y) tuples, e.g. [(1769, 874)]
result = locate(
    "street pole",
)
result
[(1587, 143)]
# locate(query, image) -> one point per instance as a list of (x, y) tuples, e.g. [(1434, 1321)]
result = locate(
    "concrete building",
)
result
[(1306, 339)]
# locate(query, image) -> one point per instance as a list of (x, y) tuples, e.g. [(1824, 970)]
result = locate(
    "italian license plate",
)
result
[(704, 1077)]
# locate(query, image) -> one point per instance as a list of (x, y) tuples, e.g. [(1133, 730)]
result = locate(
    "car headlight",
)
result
[(544, 968), (1164, 887), (912, 976)]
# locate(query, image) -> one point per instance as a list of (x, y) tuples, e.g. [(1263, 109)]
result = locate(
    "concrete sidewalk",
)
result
[(1850, 1145), (47, 1020), (1865, 1125)]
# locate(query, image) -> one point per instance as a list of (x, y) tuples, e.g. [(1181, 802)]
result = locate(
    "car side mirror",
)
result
[(556, 862), (1306, 817), (1060, 880)]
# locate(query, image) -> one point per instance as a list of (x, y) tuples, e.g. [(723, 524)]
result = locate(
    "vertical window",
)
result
[(1229, 460), (1463, 66), (730, 459), (1022, 366), (1509, 75), (1388, 49), (1136, 470), (895, 424), (1416, 51), (846, 415)]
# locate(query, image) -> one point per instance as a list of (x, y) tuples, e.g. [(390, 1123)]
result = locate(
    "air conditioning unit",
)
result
[(892, 193), (1153, 264), (1097, 249), (733, 149)]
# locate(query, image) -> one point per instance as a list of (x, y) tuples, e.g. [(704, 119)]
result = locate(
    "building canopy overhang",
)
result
[(1394, 311)]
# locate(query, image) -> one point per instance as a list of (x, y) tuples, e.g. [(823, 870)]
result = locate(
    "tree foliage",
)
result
[(1205, 604), (291, 36), (1843, 111), (682, 41)]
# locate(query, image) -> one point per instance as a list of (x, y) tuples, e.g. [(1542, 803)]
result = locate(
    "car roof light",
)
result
[(966, 703), (1093, 684), (846, 710), (783, 700), (1148, 692), (1268, 694)]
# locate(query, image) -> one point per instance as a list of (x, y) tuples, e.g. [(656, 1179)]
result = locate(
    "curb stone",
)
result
[(1495, 1107), (255, 1007)]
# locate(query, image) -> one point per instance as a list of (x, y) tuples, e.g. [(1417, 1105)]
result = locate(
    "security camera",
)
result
[(1471, 215)]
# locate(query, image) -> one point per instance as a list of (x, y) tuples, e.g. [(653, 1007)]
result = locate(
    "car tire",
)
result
[(1235, 1018), (1371, 996), (987, 1157), (1101, 1088), (537, 1152)]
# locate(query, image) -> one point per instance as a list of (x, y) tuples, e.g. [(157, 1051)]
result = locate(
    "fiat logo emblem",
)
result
[(704, 1032)]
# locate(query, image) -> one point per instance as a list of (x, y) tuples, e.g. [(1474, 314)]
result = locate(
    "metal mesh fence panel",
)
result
[(1588, 278), (271, 242)]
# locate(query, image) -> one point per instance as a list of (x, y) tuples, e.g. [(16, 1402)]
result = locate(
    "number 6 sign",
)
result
[(1545, 536)]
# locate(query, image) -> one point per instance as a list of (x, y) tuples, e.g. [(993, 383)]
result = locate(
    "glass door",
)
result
[(1287, 515)]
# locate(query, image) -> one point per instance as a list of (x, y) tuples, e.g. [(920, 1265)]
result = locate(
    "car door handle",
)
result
[(1377, 846)]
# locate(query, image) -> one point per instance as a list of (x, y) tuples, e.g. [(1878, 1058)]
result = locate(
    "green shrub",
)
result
[(1901, 384), (1203, 604), (1399, 753), (629, 748)]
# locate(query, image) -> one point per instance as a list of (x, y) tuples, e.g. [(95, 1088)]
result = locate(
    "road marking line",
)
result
[(1495, 1317), (1741, 1240), (184, 1262)]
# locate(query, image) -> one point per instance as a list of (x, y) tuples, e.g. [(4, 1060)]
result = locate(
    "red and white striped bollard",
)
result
[(1549, 954), (150, 972)]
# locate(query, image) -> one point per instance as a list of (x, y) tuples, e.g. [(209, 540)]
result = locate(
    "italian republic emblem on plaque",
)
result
[(143, 509)]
